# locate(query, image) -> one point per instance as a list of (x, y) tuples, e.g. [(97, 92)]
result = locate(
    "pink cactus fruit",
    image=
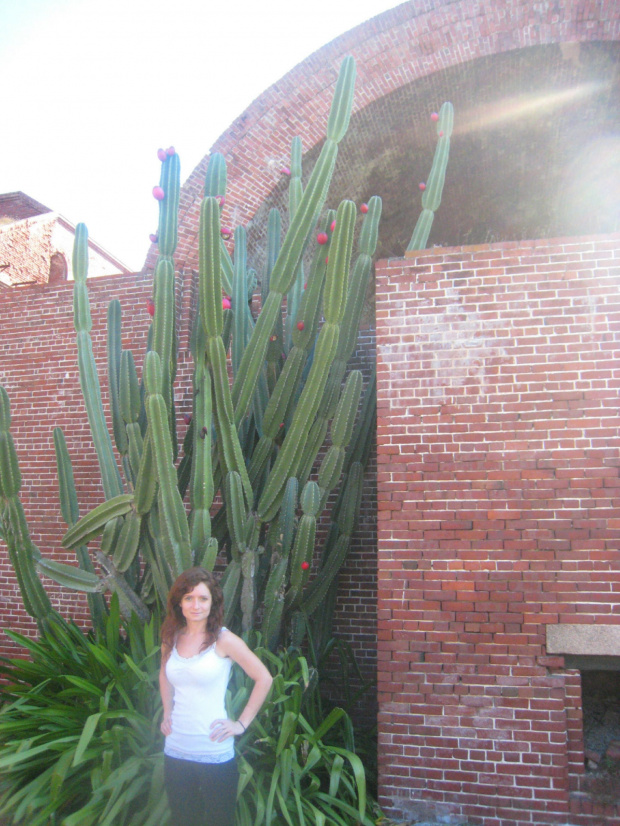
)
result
[(226, 305), (158, 193), (150, 307), (301, 326), (441, 134), (322, 238), (154, 237), (364, 209), (333, 226), (171, 151), (421, 186), (305, 566), (187, 418), (286, 170), (161, 154), (434, 116)]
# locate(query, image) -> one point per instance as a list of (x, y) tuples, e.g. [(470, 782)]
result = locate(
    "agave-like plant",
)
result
[(80, 741)]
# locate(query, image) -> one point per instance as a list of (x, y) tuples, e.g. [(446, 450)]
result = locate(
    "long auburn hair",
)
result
[(175, 620)]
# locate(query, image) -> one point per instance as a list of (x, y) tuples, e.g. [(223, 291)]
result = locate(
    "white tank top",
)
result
[(199, 684)]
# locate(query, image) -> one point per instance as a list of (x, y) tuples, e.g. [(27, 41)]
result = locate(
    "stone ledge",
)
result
[(584, 640)]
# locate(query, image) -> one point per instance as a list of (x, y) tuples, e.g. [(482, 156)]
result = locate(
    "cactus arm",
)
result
[(128, 541), (170, 182), (94, 522), (70, 577), (22, 551), (89, 380), (247, 601), (340, 113), (431, 199), (235, 513), (114, 366), (295, 192), (239, 298), (146, 481), (201, 485), (304, 542), (211, 314), (70, 512), (171, 504), (230, 582), (164, 323)]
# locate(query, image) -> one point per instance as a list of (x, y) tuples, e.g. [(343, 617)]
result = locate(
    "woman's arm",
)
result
[(167, 693), (230, 645)]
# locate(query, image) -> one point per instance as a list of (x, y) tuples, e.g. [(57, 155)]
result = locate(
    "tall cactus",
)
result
[(250, 447)]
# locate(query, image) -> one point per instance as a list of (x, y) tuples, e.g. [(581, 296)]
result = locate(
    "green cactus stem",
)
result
[(89, 379), (431, 198), (292, 249), (174, 520), (70, 513)]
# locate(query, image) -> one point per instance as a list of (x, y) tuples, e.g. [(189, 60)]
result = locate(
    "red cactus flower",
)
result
[(226, 305), (364, 209), (434, 116), (305, 566), (150, 307), (226, 233), (301, 326), (187, 418), (322, 238), (171, 150), (422, 186), (158, 193)]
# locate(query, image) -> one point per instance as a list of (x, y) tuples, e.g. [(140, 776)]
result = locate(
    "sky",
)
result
[(92, 88)]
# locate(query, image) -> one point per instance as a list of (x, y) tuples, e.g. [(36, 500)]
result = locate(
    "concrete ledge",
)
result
[(585, 640)]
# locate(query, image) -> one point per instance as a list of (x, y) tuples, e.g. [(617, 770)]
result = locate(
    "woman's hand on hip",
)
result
[(223, 729)]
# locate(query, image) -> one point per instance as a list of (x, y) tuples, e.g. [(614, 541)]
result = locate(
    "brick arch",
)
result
[(391, 50)]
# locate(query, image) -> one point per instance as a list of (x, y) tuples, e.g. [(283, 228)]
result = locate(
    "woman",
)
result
[(197, 656)]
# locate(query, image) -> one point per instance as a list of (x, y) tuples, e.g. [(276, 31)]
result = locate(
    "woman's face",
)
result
[(196, 604)]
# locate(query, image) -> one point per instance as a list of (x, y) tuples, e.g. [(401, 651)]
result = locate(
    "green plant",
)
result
[(252, 444), (80, 741), (78, 717), (297, 766)]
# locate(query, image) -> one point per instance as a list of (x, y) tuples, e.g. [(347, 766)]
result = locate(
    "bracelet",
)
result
[(239, 721)]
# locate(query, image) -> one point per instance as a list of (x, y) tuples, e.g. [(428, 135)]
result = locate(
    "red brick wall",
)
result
[(499, 512), (38, 368)]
